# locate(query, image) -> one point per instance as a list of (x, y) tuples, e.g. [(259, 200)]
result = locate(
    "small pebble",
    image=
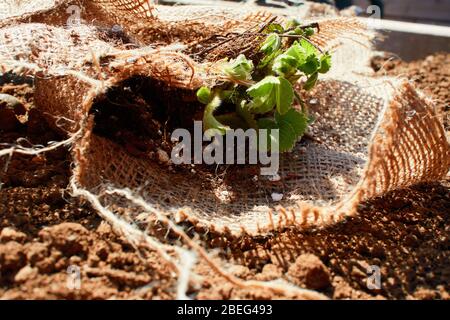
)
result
[(9, 234), (163, 157), (25, 274), (275, 178), (277, 196), (9, 101), (9, 108)]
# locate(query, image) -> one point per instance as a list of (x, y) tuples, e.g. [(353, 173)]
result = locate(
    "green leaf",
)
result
[(311, 81), (325, 63), (292, 23), (263, 94), (267, 123), (269, 92), (309, 48), (298, 31), (288, 138), (291, 126), (285, 96), (209, 121), (274, 27), (296, 51), (310, 66), (239, 68), (285, 65), (309, 32), (268, 59), (297, 120), (272, 140), (264, 104), (204, 95), (271, 44)]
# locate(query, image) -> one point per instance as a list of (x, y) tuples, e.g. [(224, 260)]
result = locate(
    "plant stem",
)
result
[(301, 102)]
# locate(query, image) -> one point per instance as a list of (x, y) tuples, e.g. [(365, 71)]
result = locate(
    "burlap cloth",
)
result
[(371, 135)]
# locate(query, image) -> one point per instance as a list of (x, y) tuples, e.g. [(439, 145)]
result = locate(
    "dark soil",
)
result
[(431, 75), (127, 114), (43, 231)]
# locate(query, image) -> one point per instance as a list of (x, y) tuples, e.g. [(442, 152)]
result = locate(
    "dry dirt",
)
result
[(44, 231)]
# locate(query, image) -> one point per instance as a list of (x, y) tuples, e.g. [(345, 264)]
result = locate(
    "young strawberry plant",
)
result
[(263, 95)]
